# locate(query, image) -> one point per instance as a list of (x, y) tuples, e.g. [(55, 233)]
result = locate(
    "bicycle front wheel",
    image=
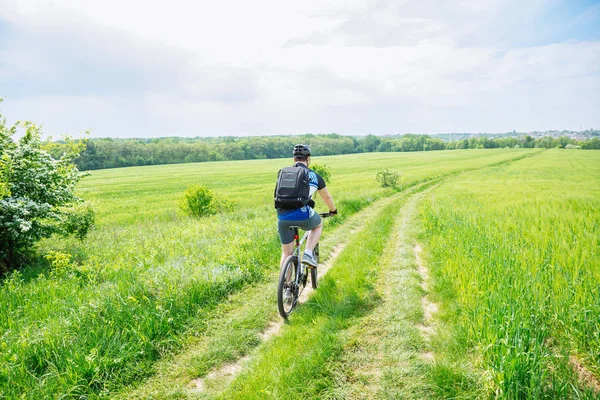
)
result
[(287, 293)]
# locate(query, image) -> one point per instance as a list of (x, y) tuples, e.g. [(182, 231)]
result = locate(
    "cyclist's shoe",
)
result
[(309, 260)]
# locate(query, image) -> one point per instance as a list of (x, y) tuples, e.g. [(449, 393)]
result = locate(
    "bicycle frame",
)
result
[(296, 253)]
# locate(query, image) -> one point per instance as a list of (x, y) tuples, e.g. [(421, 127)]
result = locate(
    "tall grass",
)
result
[(90, 324), (516, 261)]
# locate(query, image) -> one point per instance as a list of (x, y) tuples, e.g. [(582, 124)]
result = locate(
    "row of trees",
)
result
[(113, 153)]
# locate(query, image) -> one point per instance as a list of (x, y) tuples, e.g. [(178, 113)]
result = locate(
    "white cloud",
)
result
[(73, 115), (133, 68)]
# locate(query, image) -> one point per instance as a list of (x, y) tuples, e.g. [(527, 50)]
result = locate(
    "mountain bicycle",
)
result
[(294, 274)]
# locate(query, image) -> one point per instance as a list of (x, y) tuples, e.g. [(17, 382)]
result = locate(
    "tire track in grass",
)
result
[(222, 376), (227, 372), (237, 326), (387, 354), (430, 308), (308, 359), (585, 377)]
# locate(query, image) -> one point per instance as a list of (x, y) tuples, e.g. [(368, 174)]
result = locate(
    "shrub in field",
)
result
[(37, 194), (323, 170), (199, 201), (388, 178), (58, 260), (78, 219)]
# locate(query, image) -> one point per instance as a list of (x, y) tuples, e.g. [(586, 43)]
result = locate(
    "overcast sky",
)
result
[(205, 68)]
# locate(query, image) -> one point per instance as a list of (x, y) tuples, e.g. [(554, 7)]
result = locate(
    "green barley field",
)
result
[(515, 250), (156, 304)]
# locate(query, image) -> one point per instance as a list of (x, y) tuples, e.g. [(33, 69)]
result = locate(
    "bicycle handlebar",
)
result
[(326, 214)]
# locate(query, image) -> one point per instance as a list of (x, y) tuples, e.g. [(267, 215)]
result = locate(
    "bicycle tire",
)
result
[(286, 293), (314, 278)]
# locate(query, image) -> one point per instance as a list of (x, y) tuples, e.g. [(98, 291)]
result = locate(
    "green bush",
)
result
[(79, 219), (388, 178), (199, 201), (37, 193), (323, 170)]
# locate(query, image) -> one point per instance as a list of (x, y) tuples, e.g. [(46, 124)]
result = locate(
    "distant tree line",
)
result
[(114, 153)]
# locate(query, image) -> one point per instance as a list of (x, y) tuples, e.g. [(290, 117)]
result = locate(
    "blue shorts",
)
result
[(286, 235)]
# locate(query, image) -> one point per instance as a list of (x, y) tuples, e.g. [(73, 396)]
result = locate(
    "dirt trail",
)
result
[(227, 372), (387, 354), (223, 375), (429, 308), (584, 375)]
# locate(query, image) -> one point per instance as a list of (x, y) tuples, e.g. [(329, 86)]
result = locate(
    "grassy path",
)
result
[(372, 341), (233, 330), (299, 362), (387, 355), (243, 334), (369, 344)]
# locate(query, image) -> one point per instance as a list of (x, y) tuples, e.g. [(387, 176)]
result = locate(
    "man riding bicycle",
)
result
[(304, 217)]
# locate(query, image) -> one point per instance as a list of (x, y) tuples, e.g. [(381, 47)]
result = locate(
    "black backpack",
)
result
[(292, 189)]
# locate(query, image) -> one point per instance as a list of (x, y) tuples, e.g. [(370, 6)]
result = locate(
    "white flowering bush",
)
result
[(37, 197)]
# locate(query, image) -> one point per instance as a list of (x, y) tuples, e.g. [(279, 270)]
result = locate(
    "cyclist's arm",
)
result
[(324, 193)]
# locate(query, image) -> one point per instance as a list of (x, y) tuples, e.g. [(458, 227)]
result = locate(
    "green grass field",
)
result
[(152, 299), (516, 255)]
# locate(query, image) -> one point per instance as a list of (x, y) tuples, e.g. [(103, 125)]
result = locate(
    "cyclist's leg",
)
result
[(286, 251), (313, 237), (286, 236), (315, 226)]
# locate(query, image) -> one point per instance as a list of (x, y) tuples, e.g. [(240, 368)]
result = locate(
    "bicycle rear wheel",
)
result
[(287, 292), (313, 271)]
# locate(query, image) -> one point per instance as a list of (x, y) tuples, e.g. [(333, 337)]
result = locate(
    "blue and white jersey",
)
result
[(298, 214)]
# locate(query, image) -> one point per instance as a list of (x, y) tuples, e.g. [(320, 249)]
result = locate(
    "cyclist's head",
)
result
[(301, 152)]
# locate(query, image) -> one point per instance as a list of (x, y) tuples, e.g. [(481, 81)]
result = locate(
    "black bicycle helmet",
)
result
[(301, 150)]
